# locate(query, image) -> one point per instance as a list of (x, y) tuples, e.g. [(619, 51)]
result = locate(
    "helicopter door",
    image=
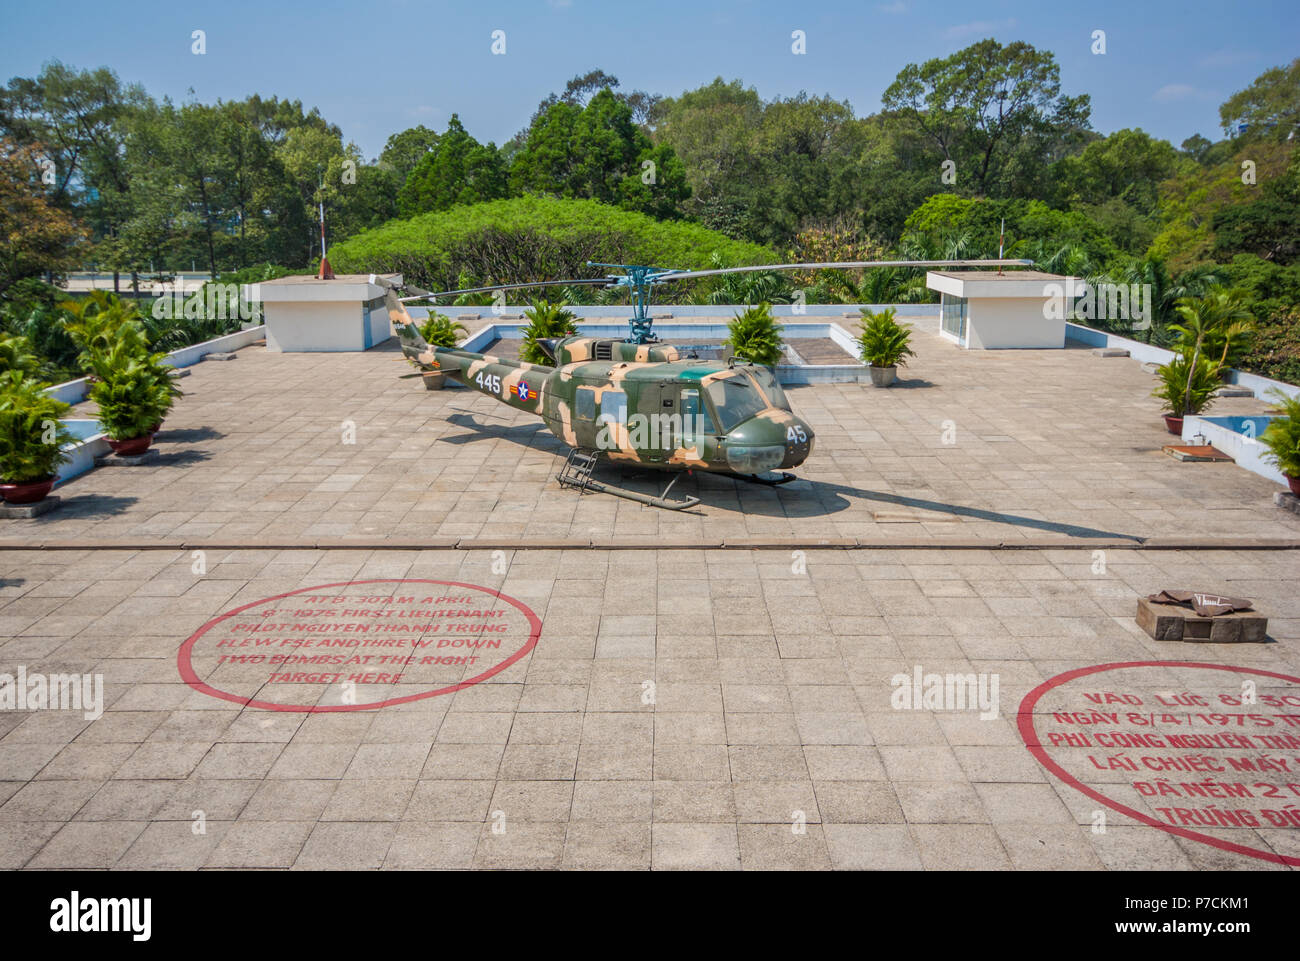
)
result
[(657, 404), (696, 424)]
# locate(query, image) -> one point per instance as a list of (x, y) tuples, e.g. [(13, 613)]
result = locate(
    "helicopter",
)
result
[(637, 402)]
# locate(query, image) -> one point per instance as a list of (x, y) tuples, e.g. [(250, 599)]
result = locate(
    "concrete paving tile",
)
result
[(872, 847), (1042, 847), (521, 846), (474, 761), (422, 845), (174, 846), (539, 762), (600, 761), (345, 845), (843, 762), (940, 802), (770, 847), (19, 840), (959, 847), (49, 800), (612, 801), (152, 761), (88, 844), (691, 762), (285, 800), (695, 847), (607, 845), (694, 801), (776, 802), (239, 760), (312, 760), (532, 800), (857, 802)]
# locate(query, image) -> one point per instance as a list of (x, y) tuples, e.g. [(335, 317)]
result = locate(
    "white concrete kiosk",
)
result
[(989, 309), (306, 314)]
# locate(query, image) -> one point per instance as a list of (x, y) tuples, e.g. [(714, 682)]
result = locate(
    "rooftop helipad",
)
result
[(350, 682), (988, 447)]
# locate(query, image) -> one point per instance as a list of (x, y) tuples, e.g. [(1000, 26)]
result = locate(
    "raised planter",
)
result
[(131, 447), (882, 376), (28, 492)]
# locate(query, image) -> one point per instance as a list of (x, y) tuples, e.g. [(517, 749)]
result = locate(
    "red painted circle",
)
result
[(1029, 734), (190, 676)]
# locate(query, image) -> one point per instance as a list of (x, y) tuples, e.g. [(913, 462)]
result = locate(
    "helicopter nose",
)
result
[(799, 442), (771, 440)]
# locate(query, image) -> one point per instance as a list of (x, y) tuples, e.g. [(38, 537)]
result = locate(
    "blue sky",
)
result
[(380, 66)]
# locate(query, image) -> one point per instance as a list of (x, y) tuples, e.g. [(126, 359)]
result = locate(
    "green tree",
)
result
[(458, 170), (403, 151), (36, 237), (598, 152), (996, 111), (1269, 108)]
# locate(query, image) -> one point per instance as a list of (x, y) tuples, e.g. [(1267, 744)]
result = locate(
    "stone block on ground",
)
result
[(21, 511), (220, 355), (1109, 352), (1172, 622), (134, 460)]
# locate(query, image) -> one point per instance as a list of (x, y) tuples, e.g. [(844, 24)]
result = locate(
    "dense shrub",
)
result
[(535, 238)]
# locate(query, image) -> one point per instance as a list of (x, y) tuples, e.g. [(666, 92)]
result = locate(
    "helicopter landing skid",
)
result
[(784, 478), (577, 473)]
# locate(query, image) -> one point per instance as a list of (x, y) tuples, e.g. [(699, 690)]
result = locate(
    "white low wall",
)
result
[(81, 455), (1151, 354), (1244, 449), (795, 312), (75, 391)]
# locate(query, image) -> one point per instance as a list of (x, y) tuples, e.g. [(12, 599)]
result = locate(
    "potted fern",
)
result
[(1282, 438), (1187, 386), (885, 343), (545, 321), (439, 331), (755, 336), (32, 438), (132, 388)]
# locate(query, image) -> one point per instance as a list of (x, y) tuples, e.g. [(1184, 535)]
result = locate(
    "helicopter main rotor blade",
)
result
[(484, 290), (844, 264)]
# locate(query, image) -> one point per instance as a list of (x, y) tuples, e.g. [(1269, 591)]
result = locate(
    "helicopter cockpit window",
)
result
[(767, 383), (735, 400), (696, 422), (613, 407), (585, 404)]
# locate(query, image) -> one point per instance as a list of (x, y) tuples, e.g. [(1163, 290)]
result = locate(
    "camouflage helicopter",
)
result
[(637, 402)]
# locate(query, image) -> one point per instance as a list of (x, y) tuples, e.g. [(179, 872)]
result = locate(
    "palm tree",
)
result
[(1205, 317), (1165, 290)]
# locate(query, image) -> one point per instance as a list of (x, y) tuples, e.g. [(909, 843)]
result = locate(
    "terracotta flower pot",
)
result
[(1293, 483), (1174, 424), (882, 376), (28, 492), (129, 448)]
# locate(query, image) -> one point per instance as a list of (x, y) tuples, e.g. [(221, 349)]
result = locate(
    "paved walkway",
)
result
[(970, 446), (372, 705), (771, 703)]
